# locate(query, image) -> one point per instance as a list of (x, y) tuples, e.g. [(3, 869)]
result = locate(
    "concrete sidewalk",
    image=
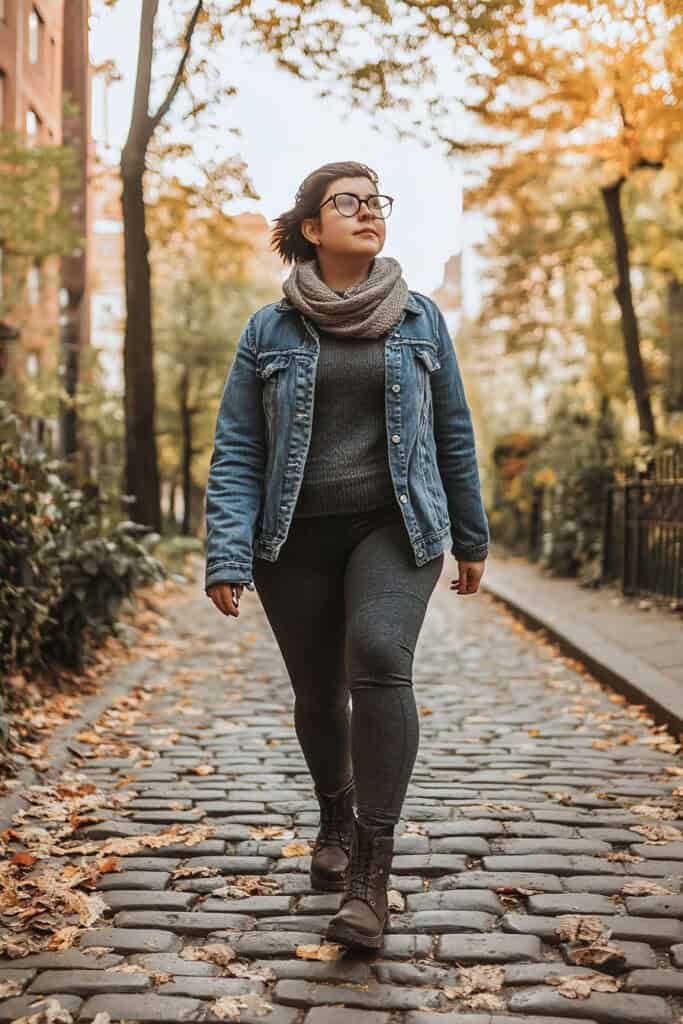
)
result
[(638, 652)]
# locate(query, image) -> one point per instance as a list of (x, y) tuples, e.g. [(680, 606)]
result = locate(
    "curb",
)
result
[(626, 673)]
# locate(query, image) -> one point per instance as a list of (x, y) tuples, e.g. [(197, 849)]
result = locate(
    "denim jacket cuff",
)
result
[(228, 572), (472, 554)]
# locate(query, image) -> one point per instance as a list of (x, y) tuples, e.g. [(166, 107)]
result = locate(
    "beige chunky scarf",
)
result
[(367, 309)]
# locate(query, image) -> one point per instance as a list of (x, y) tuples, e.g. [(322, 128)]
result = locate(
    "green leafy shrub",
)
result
[(66, 564), (560, 478)]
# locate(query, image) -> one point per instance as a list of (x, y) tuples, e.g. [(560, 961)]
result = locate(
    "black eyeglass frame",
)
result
[(375, 195)]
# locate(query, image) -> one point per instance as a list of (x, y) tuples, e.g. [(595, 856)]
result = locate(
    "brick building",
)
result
[(43, 59)]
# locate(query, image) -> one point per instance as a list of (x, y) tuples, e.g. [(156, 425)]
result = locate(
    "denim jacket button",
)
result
[(396, 387), (403, 498), (395, 438)]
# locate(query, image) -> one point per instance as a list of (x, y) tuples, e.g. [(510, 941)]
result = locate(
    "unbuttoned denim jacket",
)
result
[(264, 428)]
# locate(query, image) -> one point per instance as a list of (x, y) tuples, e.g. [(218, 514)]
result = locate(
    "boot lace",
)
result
[(335, 824), (361, 874)]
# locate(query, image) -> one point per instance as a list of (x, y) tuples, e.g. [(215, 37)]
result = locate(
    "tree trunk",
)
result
[(674, 379), (75, 320), (629, 321), (186, 427), (142, 471)]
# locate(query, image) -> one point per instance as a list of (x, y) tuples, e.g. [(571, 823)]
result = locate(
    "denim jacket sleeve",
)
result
[(234, 491), (456, 453)]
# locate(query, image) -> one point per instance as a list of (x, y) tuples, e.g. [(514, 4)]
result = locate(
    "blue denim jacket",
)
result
[(264, 429)]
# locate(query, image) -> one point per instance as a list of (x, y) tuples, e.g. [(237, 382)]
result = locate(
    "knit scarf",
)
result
[(367, 309)]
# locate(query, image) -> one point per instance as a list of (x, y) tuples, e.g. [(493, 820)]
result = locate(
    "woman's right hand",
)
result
[(221, 595)]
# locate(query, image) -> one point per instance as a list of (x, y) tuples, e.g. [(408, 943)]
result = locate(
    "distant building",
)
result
[(39, 39), (107, 296), (31, 104)]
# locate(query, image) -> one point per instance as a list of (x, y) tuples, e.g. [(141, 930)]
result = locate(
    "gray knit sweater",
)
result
[(347, 469)]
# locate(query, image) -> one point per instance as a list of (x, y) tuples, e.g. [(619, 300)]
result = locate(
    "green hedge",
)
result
[(66, 564)]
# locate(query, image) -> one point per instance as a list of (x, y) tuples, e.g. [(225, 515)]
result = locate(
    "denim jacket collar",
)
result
[(411, 305)]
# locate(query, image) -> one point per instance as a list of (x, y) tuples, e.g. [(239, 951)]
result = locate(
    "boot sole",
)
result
[(326, 884), (349, 937)]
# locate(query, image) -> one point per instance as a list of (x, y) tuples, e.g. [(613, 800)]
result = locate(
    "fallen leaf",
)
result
[(622, 857), (215, 953), (481, 978), (226, 1008), (596, 954), (324, 951), (51, 1012), (295, 850), (645, 889), (658, 834), (485, 1001), (580, 986), (10, 988), (579, 927)]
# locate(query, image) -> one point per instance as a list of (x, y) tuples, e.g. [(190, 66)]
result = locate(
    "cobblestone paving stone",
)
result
[(523, 813)]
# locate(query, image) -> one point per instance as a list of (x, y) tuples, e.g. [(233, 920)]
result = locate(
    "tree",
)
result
[(35, 228), (595, 88), (203, 292)]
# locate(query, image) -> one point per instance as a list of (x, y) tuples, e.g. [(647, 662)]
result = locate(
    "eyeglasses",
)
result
[(348, 204)]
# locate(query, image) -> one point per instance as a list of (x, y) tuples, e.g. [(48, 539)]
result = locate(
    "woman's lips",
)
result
[(367, 231)]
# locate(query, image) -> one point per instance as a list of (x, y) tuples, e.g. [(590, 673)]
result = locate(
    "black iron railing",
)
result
[(643, 529)]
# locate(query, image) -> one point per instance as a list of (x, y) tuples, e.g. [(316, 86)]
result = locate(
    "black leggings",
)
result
[(346, 603)]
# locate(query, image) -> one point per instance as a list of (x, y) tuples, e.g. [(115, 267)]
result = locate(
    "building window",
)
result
[(33, 284), (32, 126), (32, 364), (35, 32)]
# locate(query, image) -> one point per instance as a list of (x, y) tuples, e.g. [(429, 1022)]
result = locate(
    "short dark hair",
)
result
[(286, 237)]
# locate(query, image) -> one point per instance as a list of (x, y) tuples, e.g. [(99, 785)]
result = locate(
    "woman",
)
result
[(344, 466)]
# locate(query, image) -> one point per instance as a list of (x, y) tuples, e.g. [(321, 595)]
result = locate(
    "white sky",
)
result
[(287, 132)]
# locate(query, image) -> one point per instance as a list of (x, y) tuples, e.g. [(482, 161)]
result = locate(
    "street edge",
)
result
[(626, 673)]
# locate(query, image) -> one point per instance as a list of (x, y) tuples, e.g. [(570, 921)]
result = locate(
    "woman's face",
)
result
[(342, 235)]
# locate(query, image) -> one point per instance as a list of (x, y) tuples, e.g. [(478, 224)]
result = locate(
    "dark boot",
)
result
[(362, 913), (332, 846)]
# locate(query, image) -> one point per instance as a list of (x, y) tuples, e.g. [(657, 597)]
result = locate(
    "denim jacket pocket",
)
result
[(268, 362), (427, 353)]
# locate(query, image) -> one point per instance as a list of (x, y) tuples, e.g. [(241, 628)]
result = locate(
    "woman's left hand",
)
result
[(468, 580)]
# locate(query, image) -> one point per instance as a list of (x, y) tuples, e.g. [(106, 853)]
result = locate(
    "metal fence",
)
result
[(643, 529)]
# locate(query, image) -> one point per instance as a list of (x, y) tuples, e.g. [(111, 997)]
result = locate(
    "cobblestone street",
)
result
[(540, 840)]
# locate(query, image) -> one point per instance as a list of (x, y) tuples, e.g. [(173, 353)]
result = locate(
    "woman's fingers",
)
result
[(221, 595), (468, 580)]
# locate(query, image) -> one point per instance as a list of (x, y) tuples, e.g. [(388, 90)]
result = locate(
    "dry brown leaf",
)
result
[(395, 900), (325, 951), (596, 954), (579, 927), (658, 834), (10, 988), (194, 871), (580, 986), (51, 1012), (64, 938), (214, 952), (622, 857), (266, 831), (654, 811), (229, 1007), (126, 969), (226, 1008), (645, 889), (295, 850), (203, 769), (240, 886), (485, 1001), (481, 978)]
